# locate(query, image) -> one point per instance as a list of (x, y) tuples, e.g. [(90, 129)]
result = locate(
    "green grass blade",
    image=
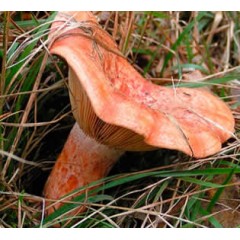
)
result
[(181, 37), (219, 191)]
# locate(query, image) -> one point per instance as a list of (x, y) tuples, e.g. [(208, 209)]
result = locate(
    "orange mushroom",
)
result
[(116, 109)]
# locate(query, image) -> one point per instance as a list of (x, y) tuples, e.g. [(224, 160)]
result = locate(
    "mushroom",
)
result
[(117, 110)]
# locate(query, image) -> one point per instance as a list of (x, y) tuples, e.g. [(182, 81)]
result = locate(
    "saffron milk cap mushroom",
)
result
[(118, 109)]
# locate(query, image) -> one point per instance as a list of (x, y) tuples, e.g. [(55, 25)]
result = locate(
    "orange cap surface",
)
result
[(114, 104)]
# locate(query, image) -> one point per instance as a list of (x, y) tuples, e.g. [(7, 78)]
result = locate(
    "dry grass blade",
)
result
[(26, 113)]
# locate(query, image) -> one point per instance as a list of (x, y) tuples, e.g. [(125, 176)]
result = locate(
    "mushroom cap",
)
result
[(114, 104)]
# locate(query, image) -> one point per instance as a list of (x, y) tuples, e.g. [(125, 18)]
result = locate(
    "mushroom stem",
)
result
[(82, 161)]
